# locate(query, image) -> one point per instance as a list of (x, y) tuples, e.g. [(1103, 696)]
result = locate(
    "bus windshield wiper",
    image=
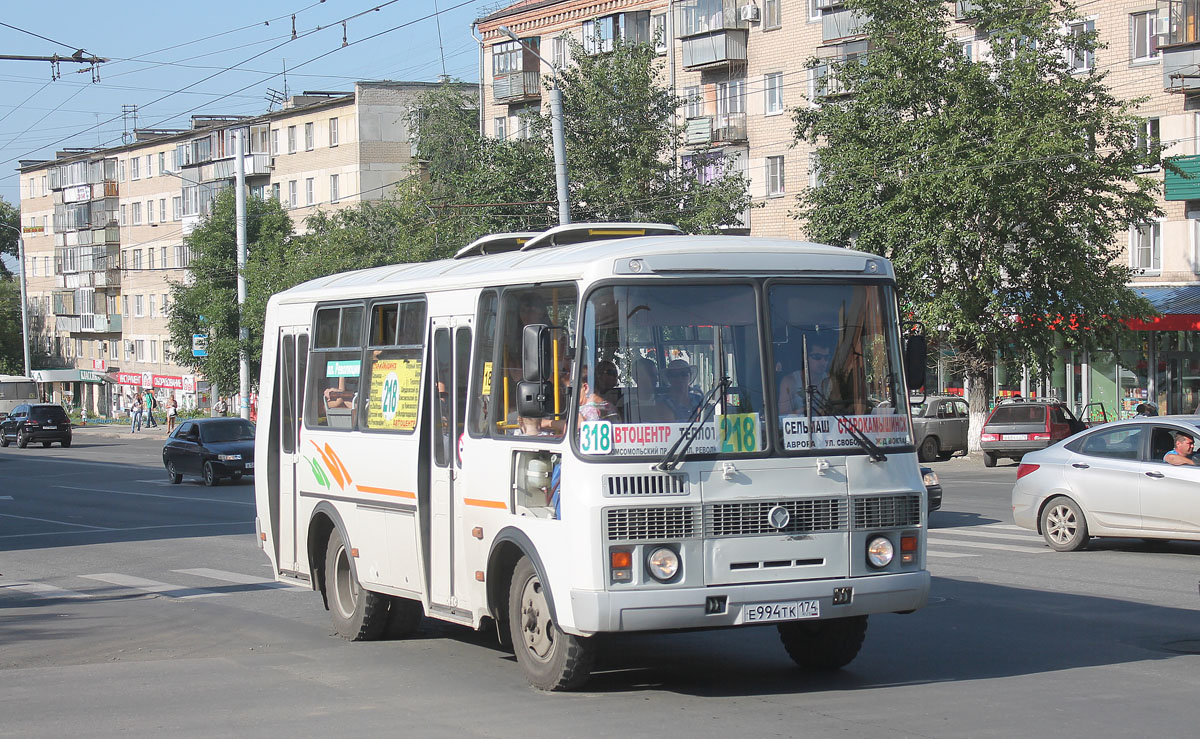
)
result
[(675, 454), (871, 448)]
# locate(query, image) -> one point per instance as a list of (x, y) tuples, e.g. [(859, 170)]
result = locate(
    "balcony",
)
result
[(1180, 44), (104, 323), (966, 9), (729, 128), (106, 278), (67, 323), (842, 24), (716, 49), (226, 169), (517, 87)]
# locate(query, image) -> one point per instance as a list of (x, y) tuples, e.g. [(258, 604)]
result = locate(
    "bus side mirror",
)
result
[(535, 353), (535, 399), (915, 358)]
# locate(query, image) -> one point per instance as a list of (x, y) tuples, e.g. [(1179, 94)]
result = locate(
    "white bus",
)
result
[(14, 391), (590, 431)]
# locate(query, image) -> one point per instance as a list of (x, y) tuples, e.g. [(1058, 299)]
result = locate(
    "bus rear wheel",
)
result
[(358, 613), (824, 645), (550, 658)]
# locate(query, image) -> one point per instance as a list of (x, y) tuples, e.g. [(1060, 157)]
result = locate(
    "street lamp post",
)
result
[(556, 131), (24, 298)]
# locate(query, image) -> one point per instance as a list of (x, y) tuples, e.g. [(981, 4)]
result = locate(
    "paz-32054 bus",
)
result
[(601, 428)]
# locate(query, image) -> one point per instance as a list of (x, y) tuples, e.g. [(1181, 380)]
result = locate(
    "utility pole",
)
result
[(243, 333)]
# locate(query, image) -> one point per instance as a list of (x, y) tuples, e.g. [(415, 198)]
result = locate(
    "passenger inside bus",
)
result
[(643, 402), (680, 398), (592, 405)]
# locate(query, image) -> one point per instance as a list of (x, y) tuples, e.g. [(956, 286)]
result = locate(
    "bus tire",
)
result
[(550, 658), (824, 645), (358, 613), (404, 617)]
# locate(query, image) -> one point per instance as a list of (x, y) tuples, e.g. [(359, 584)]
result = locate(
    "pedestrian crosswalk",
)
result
[(949, 543), (197, 582)]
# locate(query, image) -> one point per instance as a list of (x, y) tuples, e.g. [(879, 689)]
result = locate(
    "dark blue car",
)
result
[(211, 448)]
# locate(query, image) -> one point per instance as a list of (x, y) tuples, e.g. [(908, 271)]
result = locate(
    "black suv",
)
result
[(1015, 427), (44, 422)]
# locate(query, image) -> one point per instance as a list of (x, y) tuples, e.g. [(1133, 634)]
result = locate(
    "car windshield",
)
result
[(649, 356), (233, 429), (837, 364)]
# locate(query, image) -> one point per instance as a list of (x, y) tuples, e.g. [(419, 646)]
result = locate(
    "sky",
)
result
[(174, 60)]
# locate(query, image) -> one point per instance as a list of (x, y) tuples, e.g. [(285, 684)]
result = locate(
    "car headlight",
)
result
[(930, 478), (880, 551), (663, 564), (229, 457)]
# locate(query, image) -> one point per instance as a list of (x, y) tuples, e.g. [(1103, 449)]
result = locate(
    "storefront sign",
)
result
[(33, 229), (171, 382), (129, 378), (189, 383), (99, 364)]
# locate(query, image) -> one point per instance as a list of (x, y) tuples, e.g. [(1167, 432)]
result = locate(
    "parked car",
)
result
[(933, 488), (44, 422), (212, 448), (1017, 427), (1111, 481), (940, 425)]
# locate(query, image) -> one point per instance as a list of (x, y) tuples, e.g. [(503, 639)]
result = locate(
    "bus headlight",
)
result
[(663, 564), (880, 551)]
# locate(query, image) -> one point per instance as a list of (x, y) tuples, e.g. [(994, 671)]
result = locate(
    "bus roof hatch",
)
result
[(495, 244), (578, 233)]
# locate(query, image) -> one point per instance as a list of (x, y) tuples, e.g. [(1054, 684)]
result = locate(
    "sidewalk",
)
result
[(120, 429)]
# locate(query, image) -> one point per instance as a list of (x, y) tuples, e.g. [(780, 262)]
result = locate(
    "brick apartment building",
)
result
[(740, 65), (104, 228)]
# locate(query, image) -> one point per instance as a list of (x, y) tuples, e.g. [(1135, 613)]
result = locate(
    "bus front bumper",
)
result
[(690, 608)]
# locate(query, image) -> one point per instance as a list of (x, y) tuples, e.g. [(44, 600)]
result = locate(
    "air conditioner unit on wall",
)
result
[(749, 12)]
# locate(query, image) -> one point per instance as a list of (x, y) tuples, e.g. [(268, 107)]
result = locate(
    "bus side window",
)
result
[(552, 305), (335, 367), (392, 368), (480, 418)]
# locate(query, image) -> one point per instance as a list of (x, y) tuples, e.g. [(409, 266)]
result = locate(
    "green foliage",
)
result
[(12, 353), (207, 302), (10, 232), (1000, 188)]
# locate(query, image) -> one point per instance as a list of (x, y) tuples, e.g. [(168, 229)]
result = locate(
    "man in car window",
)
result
[(1182, 453)]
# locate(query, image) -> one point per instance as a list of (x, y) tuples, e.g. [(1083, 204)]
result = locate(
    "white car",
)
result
[(1111, 481)]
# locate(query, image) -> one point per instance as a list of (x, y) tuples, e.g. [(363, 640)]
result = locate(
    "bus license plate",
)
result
[(790, 610), (1015, 437)]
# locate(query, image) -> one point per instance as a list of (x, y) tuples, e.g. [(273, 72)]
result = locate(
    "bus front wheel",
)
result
[(358, 614), (824, 645), (550, 658)]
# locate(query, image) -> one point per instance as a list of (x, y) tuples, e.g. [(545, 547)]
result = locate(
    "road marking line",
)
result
[(155, 495), (986, 545), (949, 554), (131, 528), (43, 590), (239, 578), (1029, 536), (152, 586), (60, 523), (1005, 526), (5, 497)]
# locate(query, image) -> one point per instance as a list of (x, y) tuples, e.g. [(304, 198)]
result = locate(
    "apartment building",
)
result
[(104, 228), (741, 65)]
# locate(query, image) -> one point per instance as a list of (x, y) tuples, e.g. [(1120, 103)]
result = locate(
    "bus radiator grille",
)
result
[(652, 523), (887, 511), (637, 485), (753, 518)]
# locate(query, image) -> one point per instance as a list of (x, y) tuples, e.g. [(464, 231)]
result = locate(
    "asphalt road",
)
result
[(132, 607)]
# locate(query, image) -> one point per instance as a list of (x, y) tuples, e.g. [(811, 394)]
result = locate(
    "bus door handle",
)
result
[(1155, 474), (1079, 466)]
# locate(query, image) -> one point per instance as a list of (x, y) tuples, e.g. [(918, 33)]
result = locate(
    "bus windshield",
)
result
[(649, 356), (837, 363)]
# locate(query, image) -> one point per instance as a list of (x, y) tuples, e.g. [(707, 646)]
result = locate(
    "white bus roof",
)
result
[(693, 256), (15, 378)]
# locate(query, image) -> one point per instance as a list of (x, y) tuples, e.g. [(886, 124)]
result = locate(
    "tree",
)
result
[(206, 303), (12, 351), (10, 233), (998, 187)]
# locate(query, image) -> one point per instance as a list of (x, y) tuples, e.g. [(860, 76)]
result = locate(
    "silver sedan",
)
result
[(1111, 481)]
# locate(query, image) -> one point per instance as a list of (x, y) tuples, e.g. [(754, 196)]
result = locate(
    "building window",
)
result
[(149, 165), (135, 212), (775, 176), (558, 50), (309, 136), (334, 191), (162, 258), (275, 191), (153, 350), (499, 127), (162, 162), (1081, 61), (1145, 247), (183, 257), (135, 168), (140, 345), (333, 132), (177, 207), (150, 263), (731, 98), (694, 100), (162, 210), (114, 349), (1149, 139), (153, 305), (309, 193), (139, 308), (773, 85), (658, 29), (121, 170), (814, 10), (968, 49), (274, 141), (163, 302), (772, 15), (150, 212), (292, 192), (137, 261), (1143, 43), (291, 142)]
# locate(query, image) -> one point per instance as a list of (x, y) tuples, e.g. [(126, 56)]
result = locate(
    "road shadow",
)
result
[(957, 520)]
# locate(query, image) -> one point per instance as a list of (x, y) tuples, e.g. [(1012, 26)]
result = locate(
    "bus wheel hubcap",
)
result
[(535, 620)]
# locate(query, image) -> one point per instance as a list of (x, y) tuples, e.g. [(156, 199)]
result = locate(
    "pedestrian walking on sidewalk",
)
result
[(135, 415), (172, 413), (149, 412)]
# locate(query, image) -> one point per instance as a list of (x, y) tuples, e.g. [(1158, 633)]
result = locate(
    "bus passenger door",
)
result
[(292, 363), (442, 470)]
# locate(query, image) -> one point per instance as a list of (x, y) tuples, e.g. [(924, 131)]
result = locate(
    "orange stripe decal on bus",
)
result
[(336, 458), (329, 465), (486, 503), (386, 491)]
